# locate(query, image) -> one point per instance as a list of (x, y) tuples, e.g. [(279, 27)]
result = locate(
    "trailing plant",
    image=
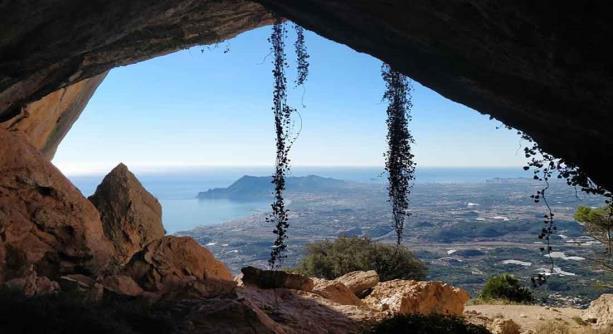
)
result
[(282, 115), (399, 159), (302, 56)]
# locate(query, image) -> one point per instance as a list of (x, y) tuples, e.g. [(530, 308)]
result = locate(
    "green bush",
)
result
[(331, 259), (431, 324), (68, 313), (507, 288)]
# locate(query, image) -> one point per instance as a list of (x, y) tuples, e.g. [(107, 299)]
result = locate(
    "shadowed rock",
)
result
[(44, 220), (275, 279), (174, 261), (131, 216)]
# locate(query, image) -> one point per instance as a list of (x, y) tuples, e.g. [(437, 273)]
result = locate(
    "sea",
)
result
[(181, 210)]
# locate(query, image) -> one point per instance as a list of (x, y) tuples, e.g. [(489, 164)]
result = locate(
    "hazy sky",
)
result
[(212, 107)]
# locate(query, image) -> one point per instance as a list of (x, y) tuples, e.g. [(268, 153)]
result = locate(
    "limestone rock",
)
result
[(359, 282), (300, 311), (600, 311), (44, 220), (122, 285), (131, 216), (336, 292), (504, 326), (173, 261), (275, 279), (45, 122), (417, 297)]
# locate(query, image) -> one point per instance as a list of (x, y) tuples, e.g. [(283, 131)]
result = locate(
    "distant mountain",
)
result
[(261, 187)]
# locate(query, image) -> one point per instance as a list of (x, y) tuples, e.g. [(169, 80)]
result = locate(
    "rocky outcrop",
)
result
[(122, 285), (45, 222), (45, 122), (359, 282), (336, 292), (174, 261), (275, 279), (131, 216), (600, 311), (417, 297)]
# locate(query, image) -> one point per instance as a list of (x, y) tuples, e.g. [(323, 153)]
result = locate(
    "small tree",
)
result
[(507, 288), (331, 259), (598, 223)]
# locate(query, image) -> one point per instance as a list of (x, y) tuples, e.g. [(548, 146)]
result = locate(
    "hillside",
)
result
[(260, 187)]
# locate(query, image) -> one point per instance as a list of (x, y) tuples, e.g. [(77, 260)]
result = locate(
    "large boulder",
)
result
[(131, 216), (417, 297), (275, 279), (600, 311), (174, 261), (45, 222), (359, 282), (336, 292)]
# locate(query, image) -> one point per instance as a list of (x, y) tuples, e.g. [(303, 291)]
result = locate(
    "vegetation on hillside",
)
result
[(430, 324), (506, 288), (331, 259)]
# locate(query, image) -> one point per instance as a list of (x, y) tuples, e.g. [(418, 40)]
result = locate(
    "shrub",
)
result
[(507, 288), (553, 327), (331, 259), (69, 313), (431, 324)]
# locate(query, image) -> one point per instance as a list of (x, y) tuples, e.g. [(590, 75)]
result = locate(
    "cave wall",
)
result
[(45, 122), (544, 67)]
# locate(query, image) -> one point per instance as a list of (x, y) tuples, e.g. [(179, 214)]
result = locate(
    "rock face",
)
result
[(46, 121), (174, 261), (417, 297), (336, 292), (359, 282), (275, 279), (532, 65), (600, 311), (45, 222), (131, 216)]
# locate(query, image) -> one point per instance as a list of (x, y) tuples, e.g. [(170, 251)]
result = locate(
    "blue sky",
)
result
[(208, 107)]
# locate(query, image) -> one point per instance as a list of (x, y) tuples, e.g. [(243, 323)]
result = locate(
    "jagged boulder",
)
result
[(121, 285), (600, 311), (275, 279), (131, 216), (359, 282), (45, 222), (173, 261), (336, 292), (417, 297)]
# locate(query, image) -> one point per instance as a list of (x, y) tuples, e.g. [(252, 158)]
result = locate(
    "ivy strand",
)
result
[(399, 164)]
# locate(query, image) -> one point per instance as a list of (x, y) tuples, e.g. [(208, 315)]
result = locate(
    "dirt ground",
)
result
[(526, 316)]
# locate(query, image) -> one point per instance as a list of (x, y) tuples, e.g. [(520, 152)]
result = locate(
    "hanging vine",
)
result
[(544, 166), (302, 56), (283, 130), (399, 159)]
